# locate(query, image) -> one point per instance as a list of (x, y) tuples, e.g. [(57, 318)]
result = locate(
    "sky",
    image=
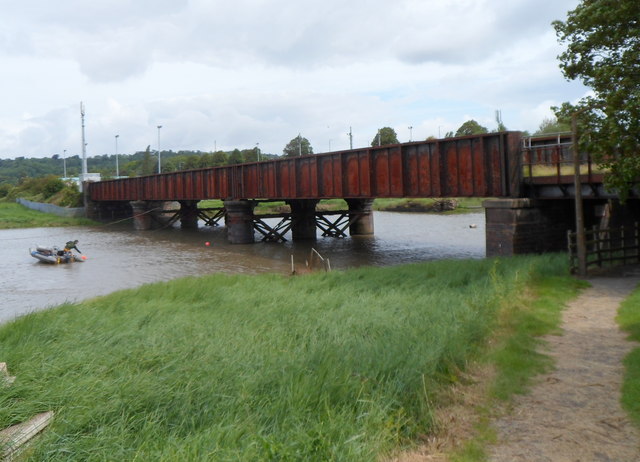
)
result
[(220, 75)]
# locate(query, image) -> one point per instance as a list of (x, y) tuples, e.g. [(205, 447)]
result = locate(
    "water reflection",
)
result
[(120, 258)]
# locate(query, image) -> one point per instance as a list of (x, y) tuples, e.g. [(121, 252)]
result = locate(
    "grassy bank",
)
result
[(464, 205), (336, 366), (13, 215), (629, 320)]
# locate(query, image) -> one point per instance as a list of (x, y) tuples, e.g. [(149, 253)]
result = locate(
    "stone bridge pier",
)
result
[(148, 215), (362, 223), (521, 226)]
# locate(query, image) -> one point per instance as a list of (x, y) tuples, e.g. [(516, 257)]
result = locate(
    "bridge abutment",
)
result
[(521, 226), (107, 211), (239, 221), (303, 219), (362, 223)]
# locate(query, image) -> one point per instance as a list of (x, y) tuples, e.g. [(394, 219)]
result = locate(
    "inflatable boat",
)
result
[(54, 255)]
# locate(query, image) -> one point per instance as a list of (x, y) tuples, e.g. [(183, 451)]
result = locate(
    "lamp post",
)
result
[(299, 144), (64, 163), (159, 158), (258, 152), (410, 133), (117, 167)]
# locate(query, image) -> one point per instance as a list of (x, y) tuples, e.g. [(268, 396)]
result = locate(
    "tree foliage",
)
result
[(12, 171), (603, 51), (551, 125), (385, 136), (297, 146), (471, 127)]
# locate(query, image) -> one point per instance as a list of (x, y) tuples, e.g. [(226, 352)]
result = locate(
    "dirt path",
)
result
[(574, 413)]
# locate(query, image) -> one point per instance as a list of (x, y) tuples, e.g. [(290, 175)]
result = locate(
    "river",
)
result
[(119, 257)]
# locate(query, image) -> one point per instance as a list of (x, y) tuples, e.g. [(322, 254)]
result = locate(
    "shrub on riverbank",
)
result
[(332, 366), (49, 189)]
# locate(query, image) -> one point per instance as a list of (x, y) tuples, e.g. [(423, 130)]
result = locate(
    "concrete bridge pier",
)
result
[(303, 219), (145, 216), (521, 226), (189, 214), (362, 224), (239, 221)]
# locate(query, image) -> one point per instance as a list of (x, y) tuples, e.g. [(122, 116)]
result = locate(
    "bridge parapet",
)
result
[(473, 166)]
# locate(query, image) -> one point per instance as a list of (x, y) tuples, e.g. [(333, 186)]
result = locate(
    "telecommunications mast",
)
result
[(84, 144)]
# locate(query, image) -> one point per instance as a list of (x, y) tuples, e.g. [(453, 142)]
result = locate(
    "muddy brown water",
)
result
[(120, 258)]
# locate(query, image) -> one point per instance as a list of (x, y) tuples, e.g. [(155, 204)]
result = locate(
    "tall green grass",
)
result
[(629, 321), (13, 215), (335, 366)]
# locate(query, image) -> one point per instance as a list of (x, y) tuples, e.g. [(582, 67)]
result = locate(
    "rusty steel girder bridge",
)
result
[(498, 166)]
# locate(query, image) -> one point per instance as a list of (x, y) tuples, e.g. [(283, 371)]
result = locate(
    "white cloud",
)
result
[(233, 74)]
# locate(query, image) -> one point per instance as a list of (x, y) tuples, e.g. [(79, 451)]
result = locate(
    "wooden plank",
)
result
[(13, 438), (5, 378)]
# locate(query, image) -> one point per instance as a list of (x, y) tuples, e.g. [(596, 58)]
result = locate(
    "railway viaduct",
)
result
[(528, 185)]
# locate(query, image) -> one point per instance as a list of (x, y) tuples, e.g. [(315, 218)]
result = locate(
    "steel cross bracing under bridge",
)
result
[(331, 223)]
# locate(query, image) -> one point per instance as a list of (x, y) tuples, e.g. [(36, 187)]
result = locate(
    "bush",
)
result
[(52, 185), (70, 196), (4, 190)]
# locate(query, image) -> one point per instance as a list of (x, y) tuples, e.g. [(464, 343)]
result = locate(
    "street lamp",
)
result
[(117, 168), (258, 152), (410, 133), (64, 163), (159, 160), (299, 144)]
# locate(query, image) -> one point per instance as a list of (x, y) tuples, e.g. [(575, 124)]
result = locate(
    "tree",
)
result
[(297, 146), (603, 51), (385, 136), (471, 127), (147, 166), (551, 125), (235, 157)]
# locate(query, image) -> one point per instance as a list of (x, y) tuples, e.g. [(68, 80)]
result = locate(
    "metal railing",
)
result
[(607, 246), (553, 158)]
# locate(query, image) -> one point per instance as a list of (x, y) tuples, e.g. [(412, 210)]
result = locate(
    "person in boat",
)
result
[(71, 245)]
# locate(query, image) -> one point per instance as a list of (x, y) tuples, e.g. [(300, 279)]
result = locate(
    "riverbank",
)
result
[(415, 205), (343, 366), (13, 216)]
